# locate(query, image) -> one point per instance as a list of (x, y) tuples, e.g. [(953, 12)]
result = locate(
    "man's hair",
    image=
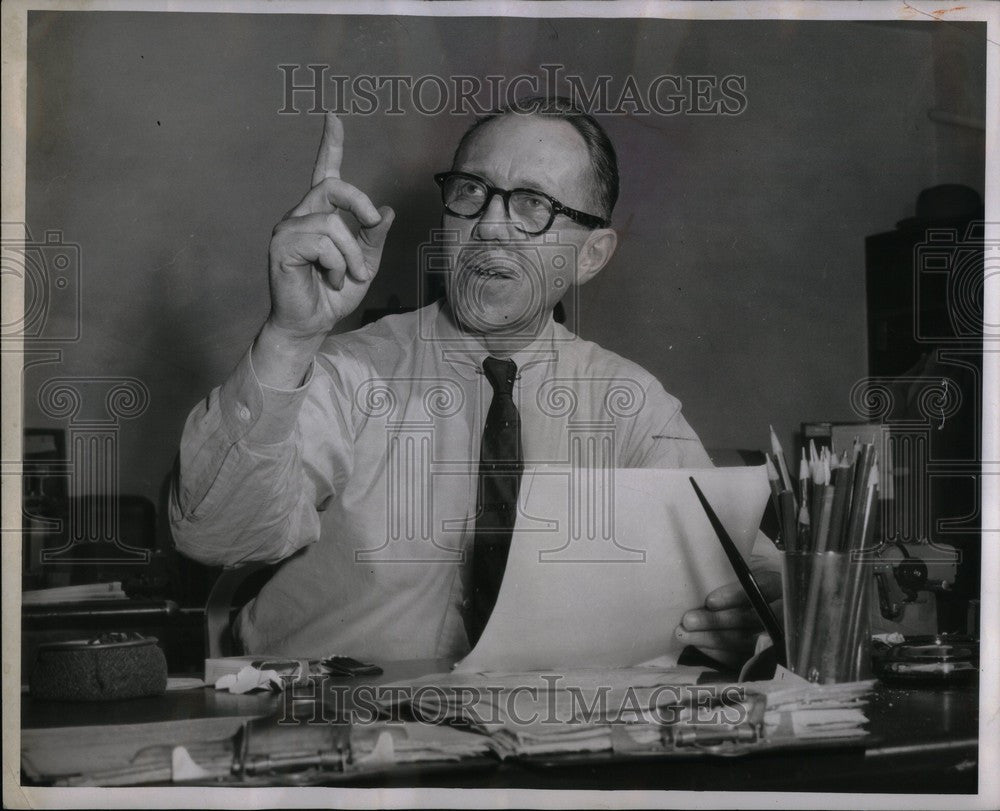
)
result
[(603, 160)]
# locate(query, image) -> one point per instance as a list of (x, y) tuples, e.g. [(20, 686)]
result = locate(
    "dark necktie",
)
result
[(500, 467)]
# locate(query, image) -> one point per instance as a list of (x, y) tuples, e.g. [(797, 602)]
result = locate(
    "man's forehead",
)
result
[(527, 150)]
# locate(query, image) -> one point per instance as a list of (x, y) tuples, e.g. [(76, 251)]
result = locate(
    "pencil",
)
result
[(862, 474), (859, 576), (820, 472), (818, 582), (787, 501), (822, 536), (804, 527), (779, 458), (772, 480), (746, 578), (841, 503)]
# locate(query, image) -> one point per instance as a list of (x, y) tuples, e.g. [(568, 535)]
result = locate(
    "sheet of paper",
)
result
[(603, 564), (54, 752)]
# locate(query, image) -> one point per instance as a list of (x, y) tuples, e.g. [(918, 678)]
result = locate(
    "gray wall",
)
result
[(154, 142)]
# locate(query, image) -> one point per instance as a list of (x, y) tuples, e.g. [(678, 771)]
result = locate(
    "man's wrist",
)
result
[(280, 358)]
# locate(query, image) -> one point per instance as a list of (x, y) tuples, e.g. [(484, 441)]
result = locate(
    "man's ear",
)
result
[(595, 253)]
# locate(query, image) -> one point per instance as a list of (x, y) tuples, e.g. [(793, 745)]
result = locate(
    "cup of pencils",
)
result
[(828, 520)]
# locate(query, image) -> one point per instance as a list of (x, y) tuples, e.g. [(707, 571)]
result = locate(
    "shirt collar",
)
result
[(465, 352)]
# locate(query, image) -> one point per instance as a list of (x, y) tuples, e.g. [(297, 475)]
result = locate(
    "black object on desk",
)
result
[(746, 578), (346, 666)]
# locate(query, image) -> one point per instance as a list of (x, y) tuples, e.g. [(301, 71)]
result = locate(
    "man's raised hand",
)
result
[(320, 271)]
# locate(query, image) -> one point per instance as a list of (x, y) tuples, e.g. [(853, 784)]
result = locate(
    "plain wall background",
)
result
[(155, 144)]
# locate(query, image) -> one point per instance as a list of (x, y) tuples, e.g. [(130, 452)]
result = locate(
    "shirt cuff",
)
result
[(259, 414)]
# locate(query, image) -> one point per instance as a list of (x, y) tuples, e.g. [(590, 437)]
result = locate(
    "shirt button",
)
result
[(244, 413)]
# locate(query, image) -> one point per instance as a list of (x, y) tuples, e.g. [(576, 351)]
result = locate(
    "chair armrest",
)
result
[(219, 640)]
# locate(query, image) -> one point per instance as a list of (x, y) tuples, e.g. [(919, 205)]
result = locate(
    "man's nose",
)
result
[(494, 223)]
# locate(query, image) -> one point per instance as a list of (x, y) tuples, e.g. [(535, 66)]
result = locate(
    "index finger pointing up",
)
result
[(331, 150)]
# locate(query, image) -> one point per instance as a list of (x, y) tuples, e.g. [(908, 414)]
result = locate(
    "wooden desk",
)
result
[(924, 741)]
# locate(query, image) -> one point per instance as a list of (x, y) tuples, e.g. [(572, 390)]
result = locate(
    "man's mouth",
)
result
[(491, 264)]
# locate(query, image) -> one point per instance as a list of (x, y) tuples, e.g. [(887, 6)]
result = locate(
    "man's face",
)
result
[(503, 282)]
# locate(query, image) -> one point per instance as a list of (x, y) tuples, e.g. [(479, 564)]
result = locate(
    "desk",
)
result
[(924, 741)]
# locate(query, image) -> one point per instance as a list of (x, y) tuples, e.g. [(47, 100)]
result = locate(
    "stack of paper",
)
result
[(542, 739), (110, 754), (814, 711), (385, 743), (633, 709), (85, 592), (636, 710), (490, 699)]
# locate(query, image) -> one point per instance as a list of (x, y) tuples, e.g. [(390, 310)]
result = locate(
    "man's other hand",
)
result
[(726, 627)]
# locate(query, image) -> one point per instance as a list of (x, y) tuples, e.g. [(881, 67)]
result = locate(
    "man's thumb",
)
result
[(372, 239)]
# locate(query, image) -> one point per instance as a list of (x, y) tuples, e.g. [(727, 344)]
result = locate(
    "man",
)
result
[(383, 466)]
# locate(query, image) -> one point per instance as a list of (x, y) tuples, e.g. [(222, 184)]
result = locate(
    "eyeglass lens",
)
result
[(468, 197)]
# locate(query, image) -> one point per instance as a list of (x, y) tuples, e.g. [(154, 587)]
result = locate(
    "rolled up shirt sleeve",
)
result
[(661, 437), (241, 490)]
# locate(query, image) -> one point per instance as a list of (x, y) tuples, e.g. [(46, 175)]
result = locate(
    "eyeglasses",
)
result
[(532, 212)]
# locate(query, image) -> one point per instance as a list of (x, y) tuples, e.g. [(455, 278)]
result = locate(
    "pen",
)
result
[(745, 576)]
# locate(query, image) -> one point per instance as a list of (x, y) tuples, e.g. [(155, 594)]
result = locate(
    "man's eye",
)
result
[(531, 203), (470, 189)]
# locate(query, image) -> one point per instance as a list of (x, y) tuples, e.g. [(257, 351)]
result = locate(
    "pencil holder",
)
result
[(827, 622)]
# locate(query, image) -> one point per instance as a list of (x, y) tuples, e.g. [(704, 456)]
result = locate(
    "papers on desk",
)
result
[(71, 753), (604, 563), (548, 712), (649, 710), (644, 711), (85, 592), (384, 744)]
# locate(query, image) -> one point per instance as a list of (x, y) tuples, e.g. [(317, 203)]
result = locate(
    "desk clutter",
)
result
[(828, 522), (845, 582), (245, 674), (821, 700), (452, 718), (83, 593), (108, 667), (638, 710)]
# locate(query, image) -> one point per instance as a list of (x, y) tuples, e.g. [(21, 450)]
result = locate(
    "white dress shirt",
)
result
[(363, 480)]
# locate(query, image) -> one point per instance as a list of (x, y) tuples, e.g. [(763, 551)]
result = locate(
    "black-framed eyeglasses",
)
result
[(531, 211)]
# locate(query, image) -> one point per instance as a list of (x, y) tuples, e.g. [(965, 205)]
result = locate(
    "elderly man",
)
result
[(382, 466)]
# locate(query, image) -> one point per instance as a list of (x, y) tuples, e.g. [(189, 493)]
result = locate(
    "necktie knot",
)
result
[(501, 374)]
